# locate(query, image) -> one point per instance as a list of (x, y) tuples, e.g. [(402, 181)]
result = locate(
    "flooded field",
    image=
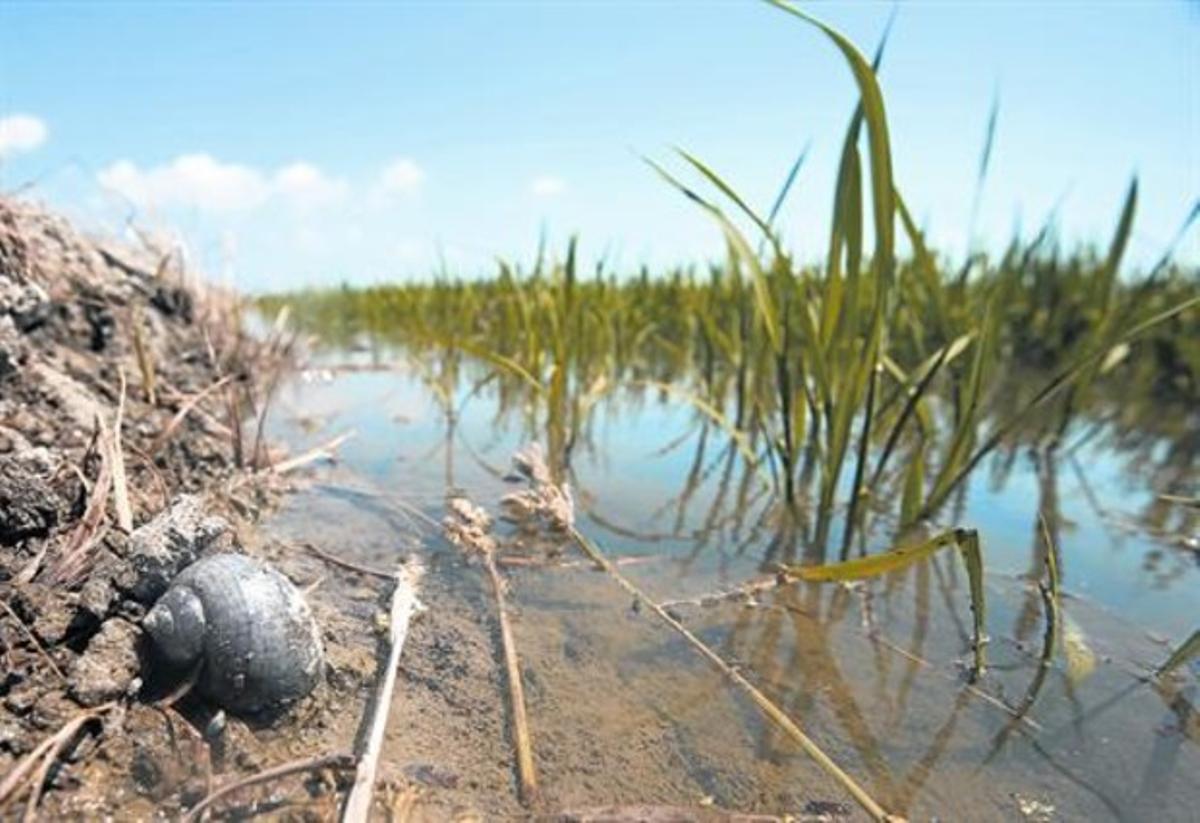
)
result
[(623, 712), (430, 412)]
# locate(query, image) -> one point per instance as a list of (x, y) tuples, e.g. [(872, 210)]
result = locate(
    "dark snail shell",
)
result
[(246, 625)]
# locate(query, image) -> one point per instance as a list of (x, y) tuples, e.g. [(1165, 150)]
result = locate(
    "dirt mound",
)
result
[(130, 406)]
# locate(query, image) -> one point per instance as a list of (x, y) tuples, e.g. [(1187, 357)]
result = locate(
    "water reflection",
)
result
[(875, 670)]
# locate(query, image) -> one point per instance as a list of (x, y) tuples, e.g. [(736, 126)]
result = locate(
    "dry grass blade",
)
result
[(233, 409), (339, 761), (145, 360), (404, 605), (43, 757), (520, 562), (112, 441), (764, 703), (37, 644), (543, 494), (522, 738), (469, 527), (326, 451), (86, 533), (169, 431)]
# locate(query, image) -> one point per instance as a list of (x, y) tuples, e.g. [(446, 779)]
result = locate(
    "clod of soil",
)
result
[(169, 543), (28, 508), (128, 450), (108, 666)]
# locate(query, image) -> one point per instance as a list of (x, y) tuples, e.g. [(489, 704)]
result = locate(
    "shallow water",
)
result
[(623, 711)]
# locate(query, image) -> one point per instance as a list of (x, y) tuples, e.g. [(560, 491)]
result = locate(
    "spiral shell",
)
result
[(246, 625)]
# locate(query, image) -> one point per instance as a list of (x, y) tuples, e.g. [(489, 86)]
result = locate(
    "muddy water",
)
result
[(624, 713)]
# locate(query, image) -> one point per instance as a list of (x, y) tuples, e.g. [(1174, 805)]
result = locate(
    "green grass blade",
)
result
[(762, 290), (1187, 650), (1056, 384), (788, 182), (882, 199)]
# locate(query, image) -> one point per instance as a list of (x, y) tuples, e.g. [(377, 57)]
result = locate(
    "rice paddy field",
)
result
[(891, 534)]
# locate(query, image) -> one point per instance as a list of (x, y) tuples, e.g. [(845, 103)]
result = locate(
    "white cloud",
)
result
[(547, 186), (194, 180), (306, 185), (21, 133), (401, 175), (203, 182)]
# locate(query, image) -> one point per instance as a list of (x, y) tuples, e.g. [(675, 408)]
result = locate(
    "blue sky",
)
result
[(294, 143)]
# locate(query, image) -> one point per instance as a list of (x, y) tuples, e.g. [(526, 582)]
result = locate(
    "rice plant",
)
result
[(871, 384)]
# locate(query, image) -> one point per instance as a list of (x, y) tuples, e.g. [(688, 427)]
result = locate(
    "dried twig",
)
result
[(469, 528), (164, 490), (521, 736), (404, 604), (520, 562), (165, 435), (339, 760), (181, 690), (325, 451), (43, 757), (37, 644), (200, 744), (346, 564)]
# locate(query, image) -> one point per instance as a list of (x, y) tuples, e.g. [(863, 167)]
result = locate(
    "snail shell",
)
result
[(247, 626)]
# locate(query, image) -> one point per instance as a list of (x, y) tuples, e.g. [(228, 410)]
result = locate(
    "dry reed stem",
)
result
[(234, 410), (469, 528), (746, 591), (112, 441), (773, 712), (164, 490), (970, 687), (404, 604), (520, 562), (522, 739), (165, 435), (322, 452), (338, 760), (279, 352), (37, 644), (144, 359)]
